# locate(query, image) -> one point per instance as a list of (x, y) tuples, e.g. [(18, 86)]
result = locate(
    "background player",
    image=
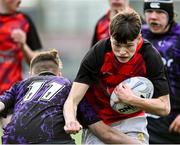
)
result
[(19, 40), (164, 32), (101, 30)]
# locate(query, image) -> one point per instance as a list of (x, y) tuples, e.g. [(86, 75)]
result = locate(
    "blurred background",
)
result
[(68, 26)]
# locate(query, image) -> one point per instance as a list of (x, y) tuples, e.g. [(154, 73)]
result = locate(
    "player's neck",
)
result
[(113, 13), (4, 10)]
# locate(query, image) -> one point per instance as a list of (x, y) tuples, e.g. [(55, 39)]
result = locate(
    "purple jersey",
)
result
[(38, 110), (168, 45)]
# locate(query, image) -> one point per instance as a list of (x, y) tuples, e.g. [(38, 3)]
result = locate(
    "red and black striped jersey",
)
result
[(11, 55), (101, 70), (101, 29)]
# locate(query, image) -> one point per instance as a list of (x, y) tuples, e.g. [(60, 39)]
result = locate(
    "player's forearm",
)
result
[(2, 106), (69, 110), (28, 53), (158, 106)]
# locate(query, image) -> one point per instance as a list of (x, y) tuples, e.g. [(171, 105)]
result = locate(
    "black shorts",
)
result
[(158, 130)]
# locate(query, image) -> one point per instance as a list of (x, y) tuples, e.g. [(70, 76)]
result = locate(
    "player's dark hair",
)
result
[(46, 61), (125, 26)]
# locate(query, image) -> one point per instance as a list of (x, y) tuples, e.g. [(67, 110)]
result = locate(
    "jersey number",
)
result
[(35, 87)]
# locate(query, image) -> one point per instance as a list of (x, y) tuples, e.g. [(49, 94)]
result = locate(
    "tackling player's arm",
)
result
[(76, 94), (175, 125)]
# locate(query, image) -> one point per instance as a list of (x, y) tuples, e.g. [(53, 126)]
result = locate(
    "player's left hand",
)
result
[(175, 125), (124, 93)]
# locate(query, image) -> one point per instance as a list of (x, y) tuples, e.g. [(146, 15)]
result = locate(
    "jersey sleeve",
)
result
[(91, 64), (94, 38), (33, 39), (8, 98), (156, 70)]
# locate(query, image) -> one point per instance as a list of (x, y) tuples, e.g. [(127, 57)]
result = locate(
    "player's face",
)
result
[(124, 52), (118, 4), (157, 20), (11, 5)]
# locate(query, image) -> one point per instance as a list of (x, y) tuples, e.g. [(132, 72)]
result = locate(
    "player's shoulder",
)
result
[(102, 45), (145, 30), (64, 79), (104, 17), (25, 15), (175, 29), (147, 46), (59, 79), (148, 51)]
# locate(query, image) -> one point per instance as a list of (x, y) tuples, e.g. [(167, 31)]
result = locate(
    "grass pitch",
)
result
[(77, 138)]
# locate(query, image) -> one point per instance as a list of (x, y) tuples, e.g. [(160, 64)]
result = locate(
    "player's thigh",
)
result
[(89, 138), (135, 127)]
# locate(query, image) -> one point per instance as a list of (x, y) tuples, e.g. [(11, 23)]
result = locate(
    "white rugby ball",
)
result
[(141, 86)]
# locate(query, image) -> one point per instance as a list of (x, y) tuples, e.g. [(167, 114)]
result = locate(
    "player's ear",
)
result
[(30, 73), (60, 73), (139, 36)]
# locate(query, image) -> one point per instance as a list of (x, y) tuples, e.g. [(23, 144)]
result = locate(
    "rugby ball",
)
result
[(141, 86)]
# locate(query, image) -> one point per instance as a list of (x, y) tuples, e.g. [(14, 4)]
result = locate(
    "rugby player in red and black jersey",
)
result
[(126, 54), (18, 40)]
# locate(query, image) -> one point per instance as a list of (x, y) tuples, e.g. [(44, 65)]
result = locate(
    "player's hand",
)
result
[(175, 125), (72, 127), (124, 93), (18, 36)]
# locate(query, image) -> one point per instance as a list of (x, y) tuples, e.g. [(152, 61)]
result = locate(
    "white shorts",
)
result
[(135, 127)]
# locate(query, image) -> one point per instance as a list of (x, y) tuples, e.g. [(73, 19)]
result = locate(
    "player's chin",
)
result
[(123, 59)]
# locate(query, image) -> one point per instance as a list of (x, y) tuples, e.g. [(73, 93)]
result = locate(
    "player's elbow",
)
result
[(166, 106), (166, 111)]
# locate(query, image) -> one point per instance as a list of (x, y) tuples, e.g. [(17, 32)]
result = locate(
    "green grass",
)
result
[(77, 138), (1, 133)]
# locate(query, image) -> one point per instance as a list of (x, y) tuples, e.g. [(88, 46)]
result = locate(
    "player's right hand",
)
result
[(19, 36), (72, 127)]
